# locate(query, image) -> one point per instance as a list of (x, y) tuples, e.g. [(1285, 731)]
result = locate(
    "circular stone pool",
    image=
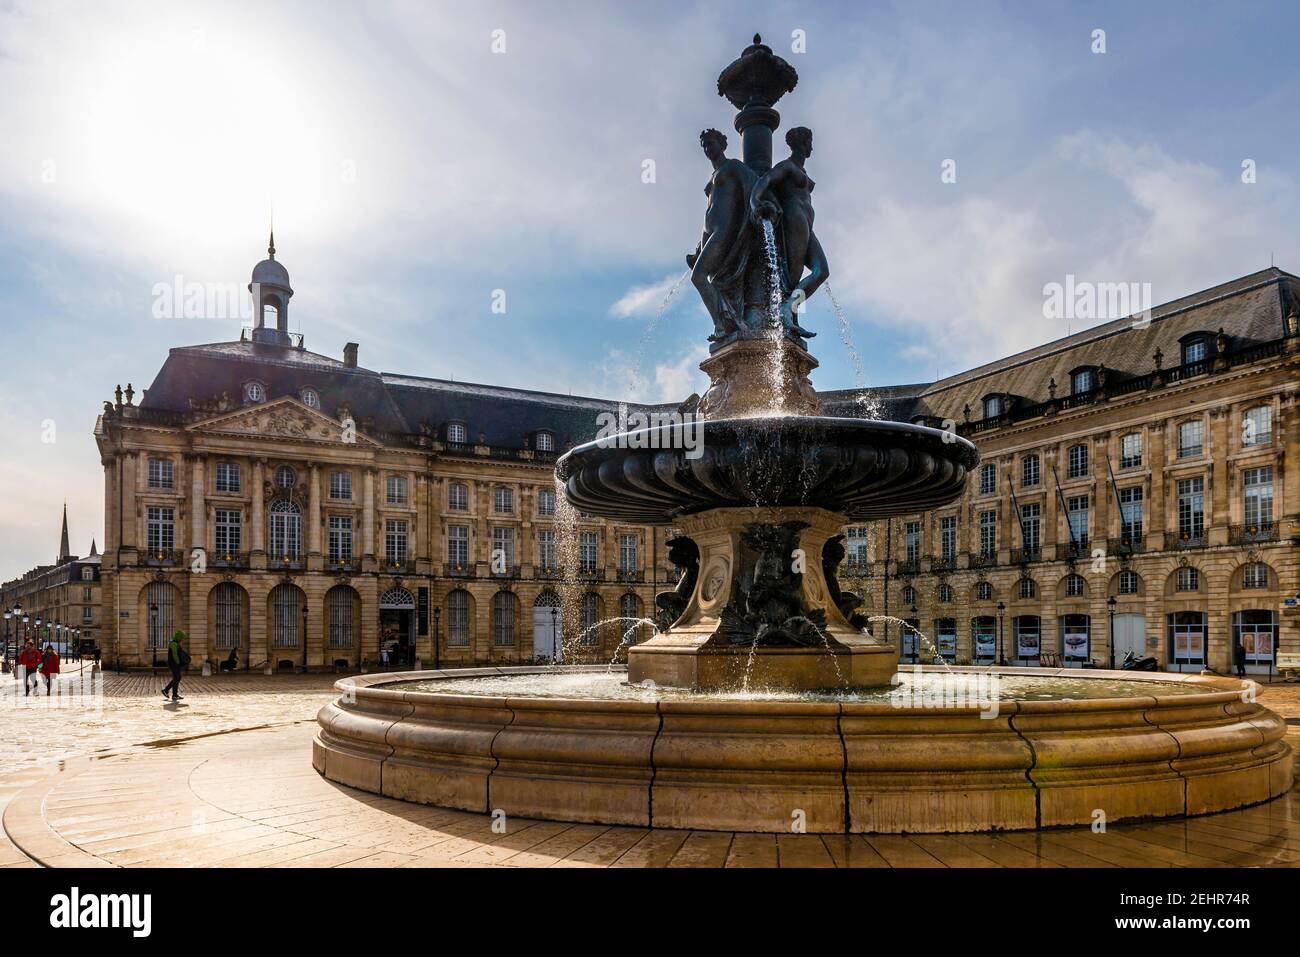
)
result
[(965, 750)]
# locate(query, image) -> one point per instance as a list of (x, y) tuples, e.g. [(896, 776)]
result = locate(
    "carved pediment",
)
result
[(284, 419)]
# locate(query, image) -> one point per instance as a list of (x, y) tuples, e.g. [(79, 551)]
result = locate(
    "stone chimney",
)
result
[(350, 355)]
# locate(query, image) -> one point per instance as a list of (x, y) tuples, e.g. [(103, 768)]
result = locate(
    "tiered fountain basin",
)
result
[(1062, 747)]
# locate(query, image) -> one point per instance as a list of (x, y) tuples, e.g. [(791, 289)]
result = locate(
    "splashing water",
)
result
[(568, 559), (627, 635), (638, 373), (935, 657), (868, 402), (776, 329)]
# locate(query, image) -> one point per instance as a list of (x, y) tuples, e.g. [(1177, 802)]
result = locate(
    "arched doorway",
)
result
[(547, 619), (161, 601), (342, 623), (397, 626), (229, 625), (284, 624)]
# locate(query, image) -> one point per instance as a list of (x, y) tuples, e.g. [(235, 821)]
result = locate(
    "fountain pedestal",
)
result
[(764, 611), (759, 376)]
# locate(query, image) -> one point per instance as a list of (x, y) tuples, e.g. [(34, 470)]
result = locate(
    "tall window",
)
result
[(588, 549), (227, 476), (286, 615), (1130, 504), (503, 500), (458, 545), (1028, 636), (1028, 589), (1254, 575), (1077, 515), (912, 540), (458, 497), (1191, 507), (396, 490), (545, 501), (1075, 586), (458, 619), (909, 595), (988, 534), (228, 612), (1128, 582), (857, 546), (503, 548), (1257, 427), (340, 606), (457, 433), (590, 617), (1191, 439), (1130, 451), (1030, 471), (1077, 458), (545, 442), (1188, 579), (341, 486), (286, 529), (162, 473), (1257, 493), (983, 591), (629, 609), (160, 529), (504, 609), (340, 538), (988, 478), (945, 592), (160, 605), (546, 548), (948, 538), (1030, 520), (395, 541), (226, 528), (627, 553)]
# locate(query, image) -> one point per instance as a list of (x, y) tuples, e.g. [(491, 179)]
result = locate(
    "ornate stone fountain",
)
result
[(760, 504)]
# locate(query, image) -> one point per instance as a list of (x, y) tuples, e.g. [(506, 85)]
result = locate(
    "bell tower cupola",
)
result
[(271, 293)]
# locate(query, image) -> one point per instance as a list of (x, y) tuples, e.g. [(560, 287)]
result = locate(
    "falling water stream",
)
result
[(776, 330), (638, 373)]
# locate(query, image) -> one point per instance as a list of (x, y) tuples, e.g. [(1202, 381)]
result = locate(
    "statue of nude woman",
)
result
[(718, 263)]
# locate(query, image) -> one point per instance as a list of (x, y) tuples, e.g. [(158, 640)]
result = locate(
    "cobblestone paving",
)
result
[(225, 779)]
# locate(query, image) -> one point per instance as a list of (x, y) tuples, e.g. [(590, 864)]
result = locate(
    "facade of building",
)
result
[(302, 511), (1139, 478), (61, 601)]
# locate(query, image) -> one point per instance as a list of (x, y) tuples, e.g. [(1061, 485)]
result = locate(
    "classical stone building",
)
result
[(1141, 469), (63, 597), (304, 511)]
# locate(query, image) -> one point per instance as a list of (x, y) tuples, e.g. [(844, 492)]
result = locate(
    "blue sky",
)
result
[(413, 171)]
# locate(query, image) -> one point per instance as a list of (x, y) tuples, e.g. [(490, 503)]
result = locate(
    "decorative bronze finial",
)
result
[(270, 246)]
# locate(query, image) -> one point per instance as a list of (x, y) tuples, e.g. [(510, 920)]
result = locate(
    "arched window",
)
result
[(1189, 579), (341, 607), (629, 609), (286, 615), (945, 592), (590, 617), (1255, 575), (228, 615), (1075, 587), (992, 406), (505, 609), (909, 595), (160, 606), (398, 598), (458, 618), (983, 591), (545, 442), (1027, 588), (1128, 582), (457, 433), (286, 530)]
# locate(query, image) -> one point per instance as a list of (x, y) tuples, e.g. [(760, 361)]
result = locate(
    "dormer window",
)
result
[(545, 441), (993, 406), (1083, 380), (457, 432), (310, 398), (1196, 349), (255, 392)]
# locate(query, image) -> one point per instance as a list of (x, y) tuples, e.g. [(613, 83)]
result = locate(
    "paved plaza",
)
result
[(225, 779)]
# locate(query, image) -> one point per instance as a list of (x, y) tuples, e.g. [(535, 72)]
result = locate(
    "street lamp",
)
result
[(437, 638), (1002, 658), (8, 615), (916, 637), (555, 614), (304, 636), (1110, 605)]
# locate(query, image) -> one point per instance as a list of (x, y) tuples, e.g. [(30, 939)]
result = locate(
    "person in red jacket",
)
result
[(29, 663), (49, 665)]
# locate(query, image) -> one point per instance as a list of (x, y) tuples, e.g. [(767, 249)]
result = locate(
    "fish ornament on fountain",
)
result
[(761, 497)]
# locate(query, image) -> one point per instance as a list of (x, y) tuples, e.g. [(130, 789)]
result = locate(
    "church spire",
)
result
[(64, 551)]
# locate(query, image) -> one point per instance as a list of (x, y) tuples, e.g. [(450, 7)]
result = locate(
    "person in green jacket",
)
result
[(177, 659)]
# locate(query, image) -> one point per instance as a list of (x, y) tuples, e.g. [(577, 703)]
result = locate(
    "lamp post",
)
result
[(153, 631), (8, 617), (555, 614), (1002, 658), (304, 635), (1110, 606), (916, 637), (437, 638)]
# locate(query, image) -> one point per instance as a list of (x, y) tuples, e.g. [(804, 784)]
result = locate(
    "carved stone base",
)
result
[(762, 376), (762, 616)]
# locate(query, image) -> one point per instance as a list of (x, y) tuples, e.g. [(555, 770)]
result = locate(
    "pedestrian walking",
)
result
[(49, 666), (1239, 658), (29, 666), (177, 660), (383, 657)]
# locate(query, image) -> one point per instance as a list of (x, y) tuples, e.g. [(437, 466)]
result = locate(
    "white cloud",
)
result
[(646, 300)]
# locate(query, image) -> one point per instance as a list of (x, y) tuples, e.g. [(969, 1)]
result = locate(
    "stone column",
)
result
[(112, 539), (198, 502), (1101, 493), (1220, 514), (368, 516), (129, 478), (258, 519), (1051, 508), (1155, 512), (314, 559)]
